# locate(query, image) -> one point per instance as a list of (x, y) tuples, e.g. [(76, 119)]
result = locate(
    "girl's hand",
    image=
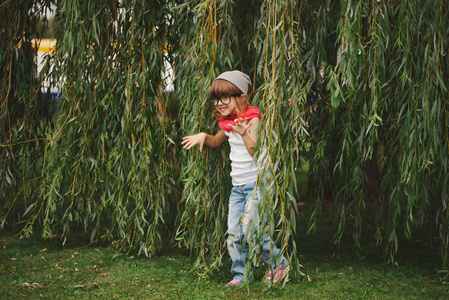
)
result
[(192, 140), (241, 126)]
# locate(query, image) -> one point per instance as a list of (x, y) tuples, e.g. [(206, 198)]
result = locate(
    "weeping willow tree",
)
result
[(117, 175), (387, 107), (358, 89), (108, 165), (25, 112)]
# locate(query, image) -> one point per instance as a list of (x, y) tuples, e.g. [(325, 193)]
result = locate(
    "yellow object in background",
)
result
[(45, 45)]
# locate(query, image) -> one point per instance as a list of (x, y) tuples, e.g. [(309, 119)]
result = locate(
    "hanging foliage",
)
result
[(387, 110), (25, 111), (107, 164), (358, 89)]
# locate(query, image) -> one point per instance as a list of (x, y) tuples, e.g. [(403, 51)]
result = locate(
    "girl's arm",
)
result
[(204, 138), (248, 131)]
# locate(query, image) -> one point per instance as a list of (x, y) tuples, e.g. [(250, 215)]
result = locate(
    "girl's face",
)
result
[(228, 108), (227, 99)]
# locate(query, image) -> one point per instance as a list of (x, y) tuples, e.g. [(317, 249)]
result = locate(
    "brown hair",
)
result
[(222, 87)]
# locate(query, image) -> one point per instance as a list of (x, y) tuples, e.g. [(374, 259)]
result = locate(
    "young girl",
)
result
[(238, 123)]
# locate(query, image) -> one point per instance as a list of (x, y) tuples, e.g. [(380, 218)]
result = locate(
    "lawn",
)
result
[(34, 268)]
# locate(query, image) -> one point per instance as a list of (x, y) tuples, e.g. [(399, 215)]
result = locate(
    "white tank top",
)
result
[(243, 165)]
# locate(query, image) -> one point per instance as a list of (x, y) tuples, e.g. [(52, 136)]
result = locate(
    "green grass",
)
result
[(34, 268)]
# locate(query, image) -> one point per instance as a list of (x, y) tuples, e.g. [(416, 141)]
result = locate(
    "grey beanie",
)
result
[(237, 78)]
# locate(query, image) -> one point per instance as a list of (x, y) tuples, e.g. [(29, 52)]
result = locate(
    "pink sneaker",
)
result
[(279, 274), (234, 283)]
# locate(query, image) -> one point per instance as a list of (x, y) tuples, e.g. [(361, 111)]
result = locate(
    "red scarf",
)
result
[(249, 113)]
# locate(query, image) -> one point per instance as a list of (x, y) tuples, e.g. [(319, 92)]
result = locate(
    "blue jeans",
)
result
[(243, 207)]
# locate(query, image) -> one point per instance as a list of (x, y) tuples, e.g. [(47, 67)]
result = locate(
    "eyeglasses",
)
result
[(225, 99)]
